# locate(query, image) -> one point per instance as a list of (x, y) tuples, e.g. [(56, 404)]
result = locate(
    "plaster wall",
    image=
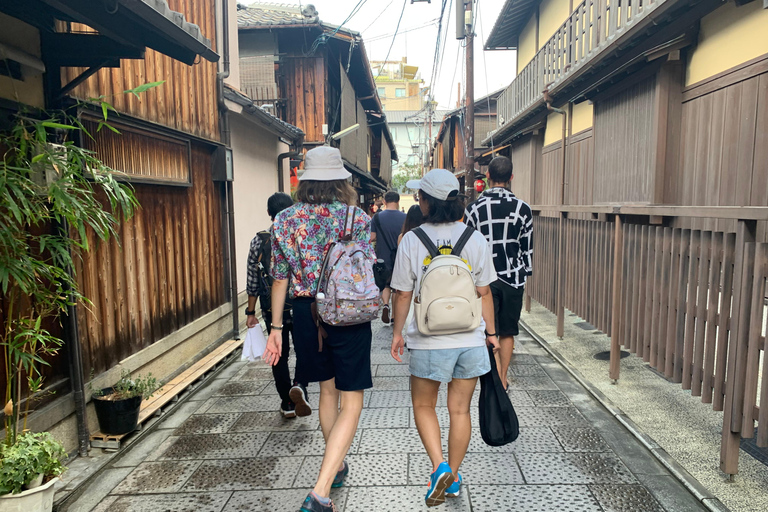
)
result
[(527, 44), (728, 37), (552, 14), (26, 38), (255, 152), (583, 117)]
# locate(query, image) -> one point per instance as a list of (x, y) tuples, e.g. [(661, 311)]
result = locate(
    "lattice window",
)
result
[(145, 157)]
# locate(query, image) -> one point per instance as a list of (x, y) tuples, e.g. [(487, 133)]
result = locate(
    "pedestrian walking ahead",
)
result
[(507, 223), (441, 350), (341, 360), (385, 228), (293, 397)]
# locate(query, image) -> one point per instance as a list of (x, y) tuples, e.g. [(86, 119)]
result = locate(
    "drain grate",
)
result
[(757, 453), (606, 355)]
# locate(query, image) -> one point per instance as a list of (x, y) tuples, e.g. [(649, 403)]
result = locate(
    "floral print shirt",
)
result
[(301, 235)]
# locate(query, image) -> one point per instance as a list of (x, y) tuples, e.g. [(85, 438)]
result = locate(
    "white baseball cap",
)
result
[(324, 163), (438, 183)]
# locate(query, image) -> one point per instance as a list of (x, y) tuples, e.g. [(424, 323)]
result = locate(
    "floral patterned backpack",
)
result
[(346, 291)]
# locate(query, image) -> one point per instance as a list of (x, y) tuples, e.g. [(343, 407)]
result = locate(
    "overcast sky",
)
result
[(417, 37)]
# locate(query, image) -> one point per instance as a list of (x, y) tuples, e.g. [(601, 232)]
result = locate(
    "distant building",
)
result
[(398, 84), (412, 135), (316, 76), (449, 139)]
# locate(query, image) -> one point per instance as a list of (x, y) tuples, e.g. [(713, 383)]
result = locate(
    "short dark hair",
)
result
[(442, 212), (278, 202), (500, 169), (392, 197)]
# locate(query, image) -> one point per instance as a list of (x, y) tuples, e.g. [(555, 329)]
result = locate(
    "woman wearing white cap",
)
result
[(301, 235), (458, 358)]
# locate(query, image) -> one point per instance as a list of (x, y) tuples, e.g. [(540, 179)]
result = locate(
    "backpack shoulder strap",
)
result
[(349, 222), (265, 238), (429, 244), (463, 239)]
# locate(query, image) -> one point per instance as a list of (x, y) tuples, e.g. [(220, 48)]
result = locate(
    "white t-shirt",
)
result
[(411, 263)]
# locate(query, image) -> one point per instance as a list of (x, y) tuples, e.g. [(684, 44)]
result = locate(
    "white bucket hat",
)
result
[(324, 163), (438, 183)]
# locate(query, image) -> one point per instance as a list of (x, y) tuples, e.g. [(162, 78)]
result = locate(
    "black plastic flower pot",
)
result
[(117, 417)]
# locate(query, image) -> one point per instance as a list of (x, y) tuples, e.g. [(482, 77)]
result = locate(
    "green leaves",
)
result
[(31, 455), (143, 88), (55, 197)]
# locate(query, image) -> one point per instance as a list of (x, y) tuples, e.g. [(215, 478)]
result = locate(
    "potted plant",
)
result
[(50, 196), (28, 472), (117, 407)]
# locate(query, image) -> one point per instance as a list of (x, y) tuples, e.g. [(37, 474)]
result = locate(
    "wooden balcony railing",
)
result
[(691, 302), (592, 26)]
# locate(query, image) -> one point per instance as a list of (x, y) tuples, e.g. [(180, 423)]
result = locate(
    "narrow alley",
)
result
[(228, 449)]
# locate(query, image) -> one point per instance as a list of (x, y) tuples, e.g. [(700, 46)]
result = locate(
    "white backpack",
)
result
[(448, 301)]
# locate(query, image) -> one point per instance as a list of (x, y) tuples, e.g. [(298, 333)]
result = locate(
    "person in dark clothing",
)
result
[(506, 222), (385, 229), (293, 396)]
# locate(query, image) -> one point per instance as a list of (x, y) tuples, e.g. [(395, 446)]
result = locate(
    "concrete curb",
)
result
[(678, 471)]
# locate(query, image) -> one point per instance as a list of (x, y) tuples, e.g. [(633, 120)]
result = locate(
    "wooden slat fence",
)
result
[(690, 302), (592, 26)]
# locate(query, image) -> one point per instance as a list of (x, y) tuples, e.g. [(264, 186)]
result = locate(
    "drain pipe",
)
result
[(296, 153), (75, 356), (560, 301), (226, 139)]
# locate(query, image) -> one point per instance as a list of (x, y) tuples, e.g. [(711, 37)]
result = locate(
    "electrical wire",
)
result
[(384, 36), (397, 28), (378, 16), (322, 38)]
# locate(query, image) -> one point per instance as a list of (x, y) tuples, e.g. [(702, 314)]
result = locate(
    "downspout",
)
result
[(295, 153), (75, 353), (560, 304), (226, 139)]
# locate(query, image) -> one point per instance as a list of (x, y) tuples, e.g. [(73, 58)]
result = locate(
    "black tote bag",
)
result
[(498, 420)]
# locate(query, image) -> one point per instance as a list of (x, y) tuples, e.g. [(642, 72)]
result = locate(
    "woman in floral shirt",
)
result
[(301, 235)]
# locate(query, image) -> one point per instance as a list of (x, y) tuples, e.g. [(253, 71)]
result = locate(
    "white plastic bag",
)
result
[(254, 345)]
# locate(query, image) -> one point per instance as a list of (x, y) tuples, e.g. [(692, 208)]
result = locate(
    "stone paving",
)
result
[(228, 449)]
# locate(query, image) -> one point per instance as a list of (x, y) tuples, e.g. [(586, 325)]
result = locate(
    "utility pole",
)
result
[(469, 116)]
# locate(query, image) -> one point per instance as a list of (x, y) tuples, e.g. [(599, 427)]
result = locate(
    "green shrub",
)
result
[(31, 455)]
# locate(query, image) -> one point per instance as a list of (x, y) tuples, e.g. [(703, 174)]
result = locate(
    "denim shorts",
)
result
[(443, 365)]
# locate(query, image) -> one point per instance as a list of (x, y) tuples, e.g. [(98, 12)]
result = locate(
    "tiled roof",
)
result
[(261, 14), (273, 123)]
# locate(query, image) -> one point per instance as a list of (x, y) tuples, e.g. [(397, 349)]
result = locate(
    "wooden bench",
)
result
[(169, 392)]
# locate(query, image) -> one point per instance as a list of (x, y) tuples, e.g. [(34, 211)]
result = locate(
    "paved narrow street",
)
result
[(228, 449)]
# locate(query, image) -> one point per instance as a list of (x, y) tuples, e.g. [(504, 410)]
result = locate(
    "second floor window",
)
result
[(400, 93), (382, 92)]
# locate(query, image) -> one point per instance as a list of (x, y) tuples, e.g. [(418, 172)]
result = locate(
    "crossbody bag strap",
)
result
[(380, 232), (428, 243), (463, 239)]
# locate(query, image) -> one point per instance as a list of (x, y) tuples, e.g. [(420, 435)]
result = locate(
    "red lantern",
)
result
[(479, 185)]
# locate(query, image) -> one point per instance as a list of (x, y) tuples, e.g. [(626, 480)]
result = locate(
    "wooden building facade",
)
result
[(317, 77), (450, 143), (167, 272), (657, 192)]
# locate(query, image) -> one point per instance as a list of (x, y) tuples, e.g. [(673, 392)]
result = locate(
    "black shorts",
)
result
[(507, 305), (346, 354)]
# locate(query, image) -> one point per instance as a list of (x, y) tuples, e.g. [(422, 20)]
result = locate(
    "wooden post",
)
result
[(616, 320), (560, 307), (731, 433)]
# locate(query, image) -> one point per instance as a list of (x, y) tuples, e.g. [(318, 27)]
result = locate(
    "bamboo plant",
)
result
[(51, 193)]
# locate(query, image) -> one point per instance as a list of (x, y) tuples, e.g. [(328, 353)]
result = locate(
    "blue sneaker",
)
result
[(439, 481), (338, 480), (311, 504), (454, 489)]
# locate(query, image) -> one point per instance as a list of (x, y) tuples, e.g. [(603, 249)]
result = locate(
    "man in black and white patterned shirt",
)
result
[(507, 223)]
